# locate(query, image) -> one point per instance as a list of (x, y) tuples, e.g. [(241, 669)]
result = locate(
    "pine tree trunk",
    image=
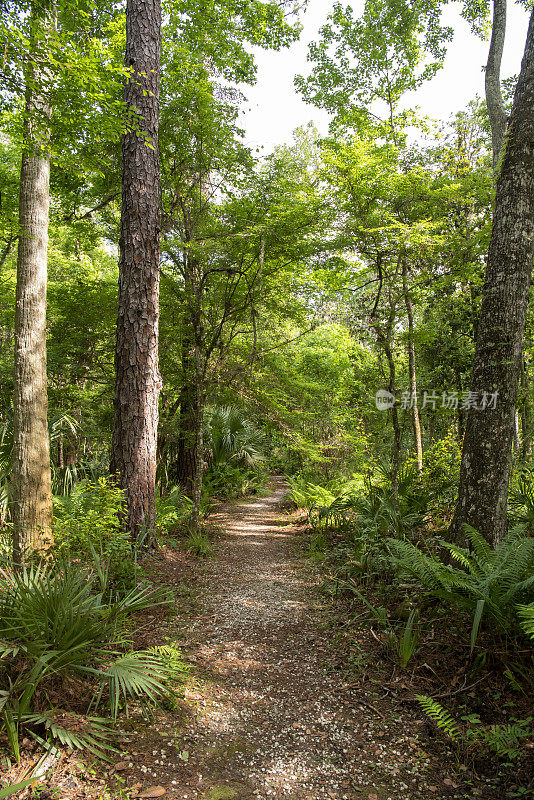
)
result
[(486, 455), (137, 378), (32, 495)]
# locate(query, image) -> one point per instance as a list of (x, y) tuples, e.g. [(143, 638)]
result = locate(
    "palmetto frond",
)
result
[(136, 676)]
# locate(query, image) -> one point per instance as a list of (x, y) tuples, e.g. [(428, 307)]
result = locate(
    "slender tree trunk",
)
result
[(60, 453), (395, 455), (137, 378), (384, 338), (494, 101), (199, 464), (199, 363), (7, 249), (416, 424), (259, 331), (516, 442), (525, 430), (32, 495), (186, 460), (486, 455)]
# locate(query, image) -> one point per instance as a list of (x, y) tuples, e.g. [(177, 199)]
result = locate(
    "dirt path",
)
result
[(269, 720)]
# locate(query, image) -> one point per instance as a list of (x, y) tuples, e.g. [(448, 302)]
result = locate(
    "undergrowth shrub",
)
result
[(199, 544), (376, 509), (362, 514), (173, 509), (488, 583), (441, 467), (366, 505), (88, 524), (526, 618), (234, 453), (309, 496), (228, 480), (521, 500)]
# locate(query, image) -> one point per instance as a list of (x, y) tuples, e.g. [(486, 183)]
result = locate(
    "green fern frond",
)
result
[(481, 547), (439, 715), (526, 617)]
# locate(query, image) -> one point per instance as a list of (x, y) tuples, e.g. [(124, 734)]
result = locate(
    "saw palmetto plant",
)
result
[(56, 630)]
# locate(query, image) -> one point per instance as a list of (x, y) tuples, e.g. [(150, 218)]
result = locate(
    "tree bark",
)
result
[(137, 378), (416, 424), (199, 366), (460, 411), (494, 101), (199, 464), (486, 455), (32, 494)]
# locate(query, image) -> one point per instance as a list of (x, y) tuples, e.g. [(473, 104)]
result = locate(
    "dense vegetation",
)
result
[(320, 313)]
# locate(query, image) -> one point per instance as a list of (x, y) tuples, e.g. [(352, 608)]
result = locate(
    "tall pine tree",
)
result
[(137, 378)]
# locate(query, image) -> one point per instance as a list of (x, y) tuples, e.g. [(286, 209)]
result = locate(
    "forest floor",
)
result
[(266, 710)]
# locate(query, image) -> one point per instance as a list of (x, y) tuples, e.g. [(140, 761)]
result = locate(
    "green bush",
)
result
[(526, 618), (521, 501), (309, 496), (230, 437), (228, 480), (91, 513), (375, 511), (199, 544), (234, 452), (88, 522), (441, 465)]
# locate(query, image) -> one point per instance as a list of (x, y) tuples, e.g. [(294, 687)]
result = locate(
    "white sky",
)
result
[(274, 109)]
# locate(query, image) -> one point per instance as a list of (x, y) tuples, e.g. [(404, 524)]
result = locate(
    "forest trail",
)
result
[(269, 721)]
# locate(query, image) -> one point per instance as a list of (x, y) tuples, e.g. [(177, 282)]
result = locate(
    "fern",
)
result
[(440, 715), (526, 617), (488, 584), (503, 740)]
